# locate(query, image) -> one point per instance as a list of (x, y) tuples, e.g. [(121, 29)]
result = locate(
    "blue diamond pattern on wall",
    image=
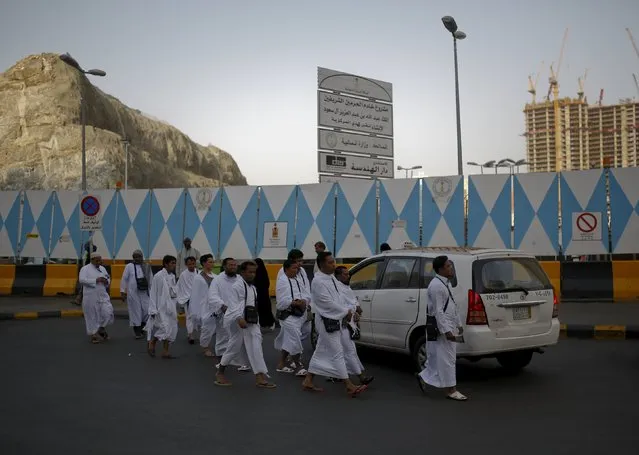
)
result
[(624, 204)]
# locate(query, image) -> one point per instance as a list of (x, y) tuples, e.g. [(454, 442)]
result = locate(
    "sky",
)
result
[(242, 75)]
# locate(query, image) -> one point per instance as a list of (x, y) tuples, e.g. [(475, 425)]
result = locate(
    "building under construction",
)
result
[(589, 136)]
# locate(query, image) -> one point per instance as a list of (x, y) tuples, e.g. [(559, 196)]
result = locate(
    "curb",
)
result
[(579, 331)]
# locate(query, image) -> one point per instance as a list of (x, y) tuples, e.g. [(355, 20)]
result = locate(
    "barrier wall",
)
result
[(353, 218)]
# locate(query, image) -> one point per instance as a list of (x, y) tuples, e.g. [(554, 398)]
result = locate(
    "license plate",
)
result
[(521, 313)]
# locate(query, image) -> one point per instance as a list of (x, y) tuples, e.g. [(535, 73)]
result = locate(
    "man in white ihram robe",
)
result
[(163, 323), (353, 364), (245, 341), (288, 294), (184, 291), (328, 358), (96, 303), (439, 370), (136, 277), (199, 301), (297, 256)]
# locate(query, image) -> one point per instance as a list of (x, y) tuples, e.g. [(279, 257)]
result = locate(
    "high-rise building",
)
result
[(590, 136)]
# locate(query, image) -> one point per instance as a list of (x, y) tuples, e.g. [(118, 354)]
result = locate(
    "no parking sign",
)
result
[(586, 226), (90, 212)]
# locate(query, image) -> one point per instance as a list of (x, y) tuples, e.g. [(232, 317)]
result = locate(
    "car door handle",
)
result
[(366, 299), (411, 299)]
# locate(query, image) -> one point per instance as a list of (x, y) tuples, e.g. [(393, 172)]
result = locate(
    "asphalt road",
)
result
[(61, 394)]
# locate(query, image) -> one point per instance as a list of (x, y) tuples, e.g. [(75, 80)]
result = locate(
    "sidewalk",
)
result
[(578, 319)]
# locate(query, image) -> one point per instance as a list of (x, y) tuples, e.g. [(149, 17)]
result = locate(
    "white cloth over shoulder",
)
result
[(353, 364), (243, 343), (219, 294), (441, 354), (302, 278), (199, 298), (290, 337), (184, 286), (96, 303), (137, 301), (328, 358), (163, 307)]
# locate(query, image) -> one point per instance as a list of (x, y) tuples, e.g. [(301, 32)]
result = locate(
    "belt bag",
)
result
[(331, 325), (250, 315), (141, 282), (282, 315), (432, 331)]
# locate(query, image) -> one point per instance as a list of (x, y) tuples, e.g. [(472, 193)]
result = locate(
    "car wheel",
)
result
[(418, 352), (314, 335), (515, 361)]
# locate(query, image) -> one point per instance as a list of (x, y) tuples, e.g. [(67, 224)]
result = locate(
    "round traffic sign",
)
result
[(586, 222), (90, 206)]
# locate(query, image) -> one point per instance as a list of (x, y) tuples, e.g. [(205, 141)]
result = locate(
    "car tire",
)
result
[(515, 361), (418, 353)]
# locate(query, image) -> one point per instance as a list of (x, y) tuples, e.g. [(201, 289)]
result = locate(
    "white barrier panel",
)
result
[(356, 219), (624, 210), (132, 223), (399, 212), (65, 230), (35, 231), (489, 211), (584, 215), (167, 222), (276, 221), (9, 223), (537, 213), (202, 219), (443, 211), (315, 217), (238, 231)]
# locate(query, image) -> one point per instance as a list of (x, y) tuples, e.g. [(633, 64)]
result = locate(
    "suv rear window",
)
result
[(509, 274)]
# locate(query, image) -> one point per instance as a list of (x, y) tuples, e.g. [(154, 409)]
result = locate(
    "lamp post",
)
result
[(512, 164), (66, 58), (487, 164), (451, 26), (125, 141), (411, 169)]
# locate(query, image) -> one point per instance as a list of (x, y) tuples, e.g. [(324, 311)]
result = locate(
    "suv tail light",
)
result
[(555, 305), (476, 309)]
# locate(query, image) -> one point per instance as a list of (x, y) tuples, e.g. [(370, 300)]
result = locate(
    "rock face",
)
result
[(40, 137)]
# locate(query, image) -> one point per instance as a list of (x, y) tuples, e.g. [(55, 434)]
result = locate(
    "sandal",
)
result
[(457, 396), (367, 380), (222, 382), (307, 388), (357, 390), (287, 370), (302, 372), (96, 339), (266, 385)]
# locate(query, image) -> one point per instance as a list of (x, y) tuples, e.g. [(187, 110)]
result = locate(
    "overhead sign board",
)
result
[(350, 113), (356, 85), (354, 143), (341, 178), (90, 212), (586, 226), (355, 165)]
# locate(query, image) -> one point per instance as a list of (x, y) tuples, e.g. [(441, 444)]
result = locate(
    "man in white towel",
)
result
[(330, 313), (242, 321), (184, 290), (96, 303), (349, 330), (291, 312), (134, 288), (297, 256), (163, 322), (199, 304)]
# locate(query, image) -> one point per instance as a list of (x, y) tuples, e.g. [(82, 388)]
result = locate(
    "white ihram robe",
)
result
[(220, 293), (137, 301), (328, 358), (302, 278), (353, 364), (200, 310), (96, 303), (290, 337), (163, 323), (184, 289), (243, 343), (439, 370)]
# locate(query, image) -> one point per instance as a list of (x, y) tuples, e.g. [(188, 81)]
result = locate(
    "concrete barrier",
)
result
[(625, 280), (587, 281), (29, 279), (7, 277), (60, 279)]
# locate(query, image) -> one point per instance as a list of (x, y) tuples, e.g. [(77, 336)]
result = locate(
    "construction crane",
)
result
[(554, 87), (634, 45), (532, 86), (580, 85), (634, 76)]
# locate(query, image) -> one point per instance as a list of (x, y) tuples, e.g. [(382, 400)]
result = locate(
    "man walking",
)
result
[(96, 303), (163, 323), (134, 288), (186, 251)]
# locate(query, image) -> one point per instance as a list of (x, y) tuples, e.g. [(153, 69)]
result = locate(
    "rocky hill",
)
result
[(40, 137)]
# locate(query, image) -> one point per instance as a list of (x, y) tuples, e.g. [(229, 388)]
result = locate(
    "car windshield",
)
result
[(509, 275)]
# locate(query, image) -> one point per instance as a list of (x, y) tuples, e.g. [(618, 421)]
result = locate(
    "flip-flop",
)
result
[(312, 389), (302, 372), (244, 368), (222, 383), (266, 385), (456, 396), (357, 391), (367, 380), (285, 370)]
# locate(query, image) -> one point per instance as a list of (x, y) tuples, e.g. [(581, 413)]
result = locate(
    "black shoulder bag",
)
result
[(291, 310), (250, 312), (432, 331), (141, 282), (332, 325)]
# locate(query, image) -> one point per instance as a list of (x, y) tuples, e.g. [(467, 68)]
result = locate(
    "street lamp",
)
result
[(66, 58), (411, 169), (507, 162), (451, 26), (487, 164)]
